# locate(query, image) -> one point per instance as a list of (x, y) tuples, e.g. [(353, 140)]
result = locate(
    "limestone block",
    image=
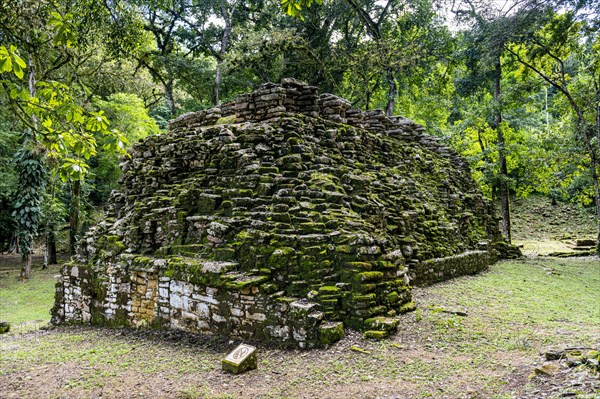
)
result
[(241, 359), (203, 310), (282, 332), (331, 332), (256, 316), (176, 301)]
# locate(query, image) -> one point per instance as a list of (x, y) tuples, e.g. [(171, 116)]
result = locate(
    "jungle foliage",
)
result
[(516, 90)]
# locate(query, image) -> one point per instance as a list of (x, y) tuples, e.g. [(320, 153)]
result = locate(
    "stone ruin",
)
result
[(284, 217)]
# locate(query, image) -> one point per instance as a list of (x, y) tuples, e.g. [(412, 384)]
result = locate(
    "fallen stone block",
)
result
[(241, 359)]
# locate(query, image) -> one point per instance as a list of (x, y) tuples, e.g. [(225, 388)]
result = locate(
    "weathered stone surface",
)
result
[(277, 221), (241, 359), (331, 332)]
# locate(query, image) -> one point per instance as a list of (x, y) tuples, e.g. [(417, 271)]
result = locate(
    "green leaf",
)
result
[(18, 71), (5, 65), (19, 61)]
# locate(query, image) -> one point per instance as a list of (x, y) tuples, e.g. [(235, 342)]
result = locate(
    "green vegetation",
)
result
[(23, 302), (513, 89)]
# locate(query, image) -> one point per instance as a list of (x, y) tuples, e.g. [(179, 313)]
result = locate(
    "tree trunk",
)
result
[(27, 252), (74, 215), (596, 167), (392, 92), (216, 88), (52, 258), (503, 178), (170, 97), (14, 244), (589, 136), (26, 267), (597, 192), (45, 264), (222, 51)]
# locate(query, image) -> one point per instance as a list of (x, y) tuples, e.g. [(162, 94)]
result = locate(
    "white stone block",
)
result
[(176, 287), (203, 310), (218, 318), (185, 303), (206, 298), (203, 325), (237, 312), (256, 316), (175, 300), (188, 315), (300, 334), (187, 289), (282, 332)]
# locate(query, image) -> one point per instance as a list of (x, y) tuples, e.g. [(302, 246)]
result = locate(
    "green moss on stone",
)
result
[(226, 120), (359, 266), (224, 254), (365, 277), (246, 283), (382, 323), (331, 332), (408, 307), (328, 289), (375, 334)]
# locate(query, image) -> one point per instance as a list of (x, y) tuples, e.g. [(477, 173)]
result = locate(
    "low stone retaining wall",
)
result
[(441, 269)]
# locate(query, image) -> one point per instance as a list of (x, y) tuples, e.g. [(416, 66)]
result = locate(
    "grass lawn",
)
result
[(26, 302), (514, 311)]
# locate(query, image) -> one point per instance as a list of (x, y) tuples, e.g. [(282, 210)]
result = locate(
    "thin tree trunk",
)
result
[(45, 264), (597, 192), (52, 258), (503, 178), (74, 215), (27, 252), (217, 86), (26, 268), (50, 235), (222, 51), (14, 244), (170, 97), (392, 92), (588, 137), (596, 167)]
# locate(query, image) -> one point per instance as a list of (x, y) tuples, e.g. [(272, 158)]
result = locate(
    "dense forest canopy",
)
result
[(514, 87)]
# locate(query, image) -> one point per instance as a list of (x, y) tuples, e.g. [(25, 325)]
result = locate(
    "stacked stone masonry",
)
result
[(284, 216)]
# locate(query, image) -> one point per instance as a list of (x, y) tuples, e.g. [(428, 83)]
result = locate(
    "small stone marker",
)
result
[(241, 359)]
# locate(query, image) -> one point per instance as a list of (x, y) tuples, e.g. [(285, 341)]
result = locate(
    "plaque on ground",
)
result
[(240, 360)]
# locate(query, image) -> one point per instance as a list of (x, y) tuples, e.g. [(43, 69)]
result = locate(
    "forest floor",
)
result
[(515, 312)]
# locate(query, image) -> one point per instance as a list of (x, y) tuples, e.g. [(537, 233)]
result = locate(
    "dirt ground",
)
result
[(490, 353)]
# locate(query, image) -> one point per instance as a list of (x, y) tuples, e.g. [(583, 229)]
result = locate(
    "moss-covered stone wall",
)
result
[(279, 216)]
